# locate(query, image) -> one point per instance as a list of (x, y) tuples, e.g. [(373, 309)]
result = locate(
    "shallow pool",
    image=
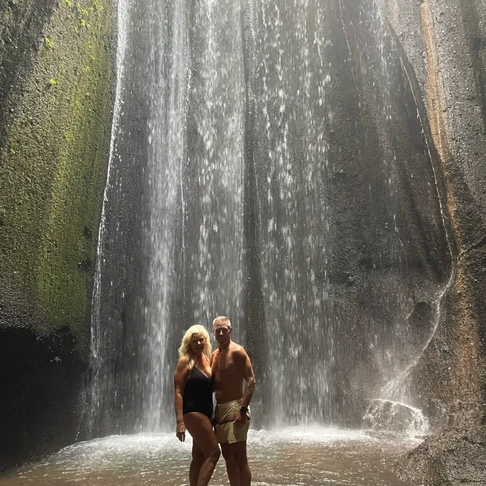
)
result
[(307, 456)]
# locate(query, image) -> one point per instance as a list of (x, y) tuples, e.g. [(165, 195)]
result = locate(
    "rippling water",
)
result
[(309, 456)]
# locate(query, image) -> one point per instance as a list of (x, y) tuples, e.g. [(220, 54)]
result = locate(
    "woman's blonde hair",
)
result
[(185, 347)]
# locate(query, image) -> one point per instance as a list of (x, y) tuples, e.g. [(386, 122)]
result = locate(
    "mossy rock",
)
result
[(53, 161)]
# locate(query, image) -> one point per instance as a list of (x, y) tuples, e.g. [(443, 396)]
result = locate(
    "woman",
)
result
[(193, 402)]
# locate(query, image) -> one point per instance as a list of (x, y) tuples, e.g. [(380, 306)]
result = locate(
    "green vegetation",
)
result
[(54, 169)]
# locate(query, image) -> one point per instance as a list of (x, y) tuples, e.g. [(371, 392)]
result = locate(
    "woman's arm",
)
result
[(180, 378)]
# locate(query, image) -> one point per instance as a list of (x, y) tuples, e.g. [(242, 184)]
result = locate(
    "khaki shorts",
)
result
[(224, 423)]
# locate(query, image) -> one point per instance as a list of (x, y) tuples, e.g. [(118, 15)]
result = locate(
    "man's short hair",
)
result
[(222, 320)]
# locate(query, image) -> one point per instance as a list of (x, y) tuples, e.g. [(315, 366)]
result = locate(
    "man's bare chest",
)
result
[(224, 365)]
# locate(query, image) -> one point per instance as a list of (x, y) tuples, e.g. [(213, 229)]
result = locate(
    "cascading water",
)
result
[(168, 79), (194, 234), (100, 383), (292, 81), (270, 164), (186, 140)]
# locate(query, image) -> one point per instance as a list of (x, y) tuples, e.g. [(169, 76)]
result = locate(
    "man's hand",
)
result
[(240, 419), (181, 431)]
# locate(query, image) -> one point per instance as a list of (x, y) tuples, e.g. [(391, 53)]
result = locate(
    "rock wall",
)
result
[(453, 458), (446, 47), (445, 43), (56, 78)]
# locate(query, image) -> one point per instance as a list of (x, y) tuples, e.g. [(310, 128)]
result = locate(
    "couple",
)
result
[(197, 373)]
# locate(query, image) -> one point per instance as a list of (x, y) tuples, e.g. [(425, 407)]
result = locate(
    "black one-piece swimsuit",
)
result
[(198, 394)]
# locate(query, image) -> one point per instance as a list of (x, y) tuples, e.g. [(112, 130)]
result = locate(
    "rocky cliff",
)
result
[(56, 78), (445, 43)]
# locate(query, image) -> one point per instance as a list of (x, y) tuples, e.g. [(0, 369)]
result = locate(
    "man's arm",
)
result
[(244, 365), (249, 378)]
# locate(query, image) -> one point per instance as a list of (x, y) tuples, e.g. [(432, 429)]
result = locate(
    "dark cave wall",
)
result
[(56, 86)]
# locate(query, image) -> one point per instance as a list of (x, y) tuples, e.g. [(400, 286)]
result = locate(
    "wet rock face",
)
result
[(21, 35), (455, 458), (447, 54), (372, 204), (56, 70), (385, 415)]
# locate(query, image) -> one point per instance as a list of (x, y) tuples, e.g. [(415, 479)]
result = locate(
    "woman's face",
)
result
[(198, 343)]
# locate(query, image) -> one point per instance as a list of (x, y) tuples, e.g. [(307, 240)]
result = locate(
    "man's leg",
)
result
[(231, 465), (196, 463), (242, 461), (237, 466)]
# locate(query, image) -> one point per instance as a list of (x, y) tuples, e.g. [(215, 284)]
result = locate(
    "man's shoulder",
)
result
[(237, 349)]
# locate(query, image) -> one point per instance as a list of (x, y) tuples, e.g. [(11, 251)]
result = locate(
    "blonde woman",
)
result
[(193, 403)]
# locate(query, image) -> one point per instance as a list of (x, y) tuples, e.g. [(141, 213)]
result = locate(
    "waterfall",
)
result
[(272, 163), (194, 234), (294, 121), (99, 390), (168, 81)]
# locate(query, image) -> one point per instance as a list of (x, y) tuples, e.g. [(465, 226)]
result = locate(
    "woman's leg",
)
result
[(199, 426)]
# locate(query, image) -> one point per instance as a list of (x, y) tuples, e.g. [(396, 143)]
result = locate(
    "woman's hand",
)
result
[(181, 431), (180, 377)]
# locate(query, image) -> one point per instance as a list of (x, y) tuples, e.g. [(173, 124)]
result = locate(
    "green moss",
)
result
[(55, 161)]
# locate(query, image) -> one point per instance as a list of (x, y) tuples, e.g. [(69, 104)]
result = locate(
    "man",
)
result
[(234, 383)]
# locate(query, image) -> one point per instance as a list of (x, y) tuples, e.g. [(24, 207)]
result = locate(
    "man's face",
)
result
[(222, 332)]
